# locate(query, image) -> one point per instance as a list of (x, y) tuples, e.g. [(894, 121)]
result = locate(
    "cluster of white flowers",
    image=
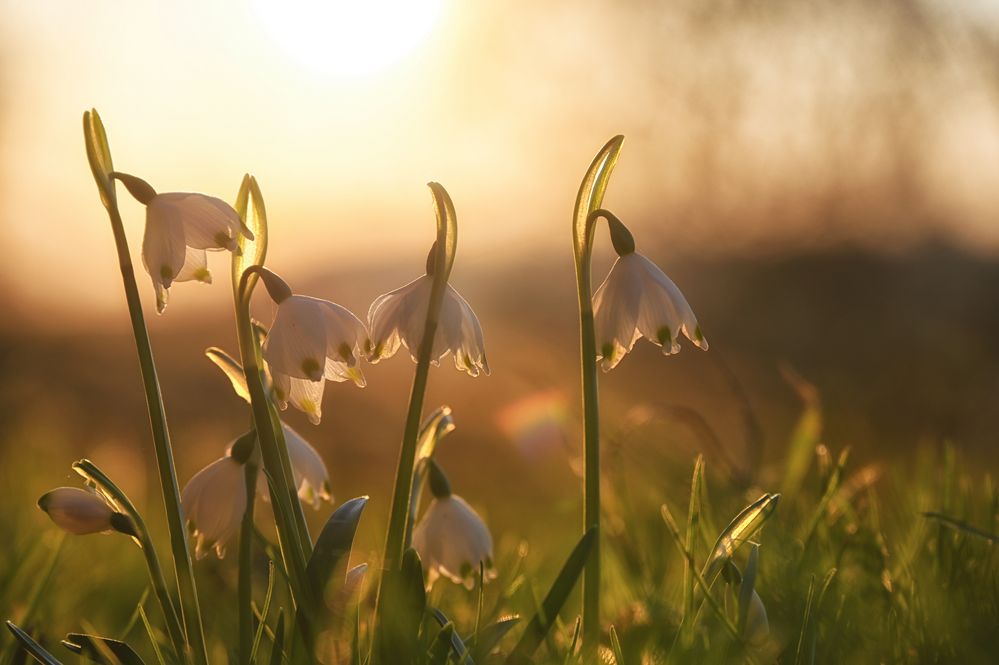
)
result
[(312, 341)]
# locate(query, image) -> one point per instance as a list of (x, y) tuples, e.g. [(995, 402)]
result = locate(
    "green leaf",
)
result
[(457, 645), (232, 370), (693, 524), (31, 646), (748, 585), (332, 549), (616, 647), (102, 650), (591, 196), (405, 603), (553, 602), (276, 650), (99, 156), (440, 649), (437, 425), (962, 527), (739, 530), (490, 636)]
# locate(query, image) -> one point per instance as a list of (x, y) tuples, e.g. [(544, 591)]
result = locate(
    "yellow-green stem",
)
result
[(246, 567), (161, 444)]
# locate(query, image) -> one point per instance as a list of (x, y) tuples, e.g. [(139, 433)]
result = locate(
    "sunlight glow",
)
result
[(349, 39)]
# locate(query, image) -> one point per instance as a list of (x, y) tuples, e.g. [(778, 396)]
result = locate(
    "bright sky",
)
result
[(730, 120)]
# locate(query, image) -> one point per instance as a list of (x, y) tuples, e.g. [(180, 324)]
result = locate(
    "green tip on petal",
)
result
[(607, 350), (665, 336), (166, 272), (312, 368)]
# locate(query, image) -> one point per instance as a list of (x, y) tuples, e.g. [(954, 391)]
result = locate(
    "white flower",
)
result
[(452, 540), (77, 511), (312, 480), (214, 501), (400, 317), (637, 299), (180, 226), (311, 341)]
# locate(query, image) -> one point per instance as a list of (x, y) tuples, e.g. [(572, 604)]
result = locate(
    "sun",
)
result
[(349, 39)]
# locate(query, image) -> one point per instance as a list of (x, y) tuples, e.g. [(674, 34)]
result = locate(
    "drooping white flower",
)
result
[(451, 538), (637, 299), (311, 478), (180, 227), (400, 317), (214, 501), (312, 341), (77, 511)]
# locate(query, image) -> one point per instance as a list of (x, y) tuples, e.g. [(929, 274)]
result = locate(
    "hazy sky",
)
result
[(770, 125)]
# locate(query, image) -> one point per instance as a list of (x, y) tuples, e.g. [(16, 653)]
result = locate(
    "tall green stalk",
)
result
[(444, 251), (99, 156), (590, 198)]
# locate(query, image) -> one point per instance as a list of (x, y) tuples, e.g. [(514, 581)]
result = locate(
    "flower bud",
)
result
[(77, 511)]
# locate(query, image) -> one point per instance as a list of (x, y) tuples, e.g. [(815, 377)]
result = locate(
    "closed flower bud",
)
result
[(400, 318), (78, 511), (637, 299)]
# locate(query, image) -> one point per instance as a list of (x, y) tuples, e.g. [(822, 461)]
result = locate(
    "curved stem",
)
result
[(278, 470), (99, 156), (93, 473)]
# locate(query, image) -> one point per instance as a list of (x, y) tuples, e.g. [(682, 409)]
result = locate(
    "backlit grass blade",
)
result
[(232, 370), (490, 636), (31, 646), (457, 644), (102, 650), (805, 435), (251, 252), (553, 602), (962, 527), (693, 525)]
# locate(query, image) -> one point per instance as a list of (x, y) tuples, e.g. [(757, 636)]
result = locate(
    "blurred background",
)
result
[(820, 178)]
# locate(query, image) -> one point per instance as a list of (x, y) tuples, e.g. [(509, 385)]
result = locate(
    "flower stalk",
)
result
[(589, 199), (140, 534), (443, 259), (99, 156)]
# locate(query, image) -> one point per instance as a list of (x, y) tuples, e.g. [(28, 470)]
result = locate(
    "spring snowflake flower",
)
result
[(451, 539), (214, 501), (637, 299), (312, 480), (77, 511), (400, 316), (310, 342), (180, 227)]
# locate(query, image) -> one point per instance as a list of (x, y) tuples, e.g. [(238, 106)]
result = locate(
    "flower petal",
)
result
[(296, 343), (311, 478), (214, 501)]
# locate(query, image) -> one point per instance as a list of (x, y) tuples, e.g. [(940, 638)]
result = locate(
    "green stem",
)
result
[(246, 568), (161, 444), (279, 475), (93, 473), (591, 462)]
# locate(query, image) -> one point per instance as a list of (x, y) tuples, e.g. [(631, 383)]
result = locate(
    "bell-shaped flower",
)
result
[(214, 501), (78, 511), (451, 538), (311, 341), (400, 317), (180, 226), (637, 299), (312, 480)]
